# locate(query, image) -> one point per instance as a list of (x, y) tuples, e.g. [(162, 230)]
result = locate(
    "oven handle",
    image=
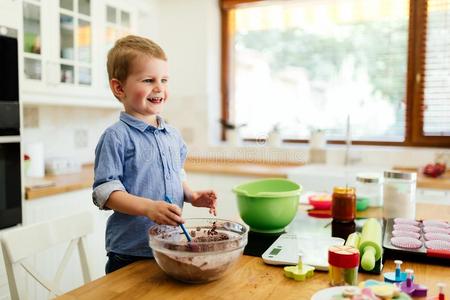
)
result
[(9, 139)]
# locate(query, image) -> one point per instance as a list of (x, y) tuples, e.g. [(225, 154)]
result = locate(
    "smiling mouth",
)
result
[(155, 100)]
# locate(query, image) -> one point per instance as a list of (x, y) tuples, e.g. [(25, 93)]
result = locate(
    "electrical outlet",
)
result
[(81, 138)]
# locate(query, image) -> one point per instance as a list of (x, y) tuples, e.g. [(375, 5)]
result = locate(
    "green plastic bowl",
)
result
[(268, 205)]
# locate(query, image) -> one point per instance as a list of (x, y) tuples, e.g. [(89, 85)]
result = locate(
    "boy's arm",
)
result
[(206, 198), (188, 193), (158, 211)]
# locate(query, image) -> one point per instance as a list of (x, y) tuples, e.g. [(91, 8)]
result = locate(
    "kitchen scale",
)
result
[(314, 250)]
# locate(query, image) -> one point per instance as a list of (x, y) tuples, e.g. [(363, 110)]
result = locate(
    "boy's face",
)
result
[(145, 89)]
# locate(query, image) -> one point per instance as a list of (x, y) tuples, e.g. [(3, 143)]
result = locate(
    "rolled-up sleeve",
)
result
[(109, 157)]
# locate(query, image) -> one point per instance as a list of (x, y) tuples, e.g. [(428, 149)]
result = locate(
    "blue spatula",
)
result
[(186, 233)]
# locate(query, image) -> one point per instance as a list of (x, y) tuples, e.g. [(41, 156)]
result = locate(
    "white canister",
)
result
[(399, 195), (370, 186), (36, 153)]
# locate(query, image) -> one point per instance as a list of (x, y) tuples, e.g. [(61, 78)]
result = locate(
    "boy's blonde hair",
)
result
[(126, 50)]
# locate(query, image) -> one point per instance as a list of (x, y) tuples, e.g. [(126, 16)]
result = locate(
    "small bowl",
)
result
[(198, 261), (268, 205)]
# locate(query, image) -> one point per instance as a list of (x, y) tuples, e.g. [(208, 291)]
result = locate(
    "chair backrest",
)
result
[(23, 242)]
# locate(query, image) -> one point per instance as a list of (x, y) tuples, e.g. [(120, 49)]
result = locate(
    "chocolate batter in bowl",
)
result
[(216, 245)]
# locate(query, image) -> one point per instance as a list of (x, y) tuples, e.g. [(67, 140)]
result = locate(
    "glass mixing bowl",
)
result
[(216, 245)]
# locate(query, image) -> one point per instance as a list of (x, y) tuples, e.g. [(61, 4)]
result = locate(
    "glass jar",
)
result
[(369, 186), (344, 263), (343, 204), (399, 195)]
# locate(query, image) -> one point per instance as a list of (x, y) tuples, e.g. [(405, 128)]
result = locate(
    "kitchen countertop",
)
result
[(58, 184), (250, 278), (84, 179)]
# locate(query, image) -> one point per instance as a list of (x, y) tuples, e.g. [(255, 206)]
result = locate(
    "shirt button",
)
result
[(167, 176), (156, 132), (163, 154)]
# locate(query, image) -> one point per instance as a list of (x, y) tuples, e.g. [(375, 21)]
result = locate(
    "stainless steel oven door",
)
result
[(10, 182)]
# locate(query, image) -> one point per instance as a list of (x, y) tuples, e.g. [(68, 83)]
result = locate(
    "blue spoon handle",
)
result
[(186, 233)]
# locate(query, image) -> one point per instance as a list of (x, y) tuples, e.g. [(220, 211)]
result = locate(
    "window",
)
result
[(378, 67)]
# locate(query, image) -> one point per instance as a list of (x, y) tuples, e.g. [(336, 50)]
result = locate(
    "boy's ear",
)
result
[(117, 88)]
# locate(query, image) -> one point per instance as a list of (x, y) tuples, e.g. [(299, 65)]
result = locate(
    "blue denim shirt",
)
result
[(142, 160)]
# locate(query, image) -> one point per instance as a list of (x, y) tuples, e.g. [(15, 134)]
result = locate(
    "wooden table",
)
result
[(250, 278)]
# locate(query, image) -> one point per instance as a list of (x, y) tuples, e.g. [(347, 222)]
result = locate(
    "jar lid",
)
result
[(368, 177), (343, 190), (400, 175), (343, 256)]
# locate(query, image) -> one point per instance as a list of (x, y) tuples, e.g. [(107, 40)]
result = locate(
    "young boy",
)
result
[(139, 160)]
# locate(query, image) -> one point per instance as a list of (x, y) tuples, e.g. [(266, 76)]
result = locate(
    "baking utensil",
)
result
[(268, 205), (200, 261), (284, 251), (397, 276), (370, 244), (186, 233), (436, 252), (406, 242), (299, 272), (411, 234), (411, 288)]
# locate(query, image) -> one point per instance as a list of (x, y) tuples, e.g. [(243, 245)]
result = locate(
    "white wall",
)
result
[(189, 32)]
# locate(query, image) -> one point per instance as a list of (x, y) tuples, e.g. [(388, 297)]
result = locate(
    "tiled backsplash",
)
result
[(66, 131)]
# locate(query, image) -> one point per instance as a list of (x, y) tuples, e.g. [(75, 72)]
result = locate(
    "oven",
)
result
[(10, 154), (10, 183)]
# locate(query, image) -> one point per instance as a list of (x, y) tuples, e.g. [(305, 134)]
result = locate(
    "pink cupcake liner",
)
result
[(412, 234), (405, 227), (432, 229), (437, 236), (406, 242), (406, 221), (438, 245), (436, 223)]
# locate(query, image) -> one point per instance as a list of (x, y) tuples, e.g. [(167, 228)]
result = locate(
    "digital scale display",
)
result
[(275, 251)]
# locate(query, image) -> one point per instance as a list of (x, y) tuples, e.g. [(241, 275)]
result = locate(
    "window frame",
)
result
[(414, 135)]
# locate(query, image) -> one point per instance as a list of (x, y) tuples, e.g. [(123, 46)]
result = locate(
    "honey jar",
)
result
[(343, 204)]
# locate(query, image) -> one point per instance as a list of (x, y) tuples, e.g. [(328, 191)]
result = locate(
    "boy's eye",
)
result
[(164, 80), (148, 80)]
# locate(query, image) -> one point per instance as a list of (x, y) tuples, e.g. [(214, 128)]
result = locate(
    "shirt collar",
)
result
[(141, 125)]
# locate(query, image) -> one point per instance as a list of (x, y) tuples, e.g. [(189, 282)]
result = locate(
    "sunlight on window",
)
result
[(308, 65)]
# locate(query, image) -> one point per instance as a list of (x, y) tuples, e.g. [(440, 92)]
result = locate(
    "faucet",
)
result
[(348, 158), (348, 142)]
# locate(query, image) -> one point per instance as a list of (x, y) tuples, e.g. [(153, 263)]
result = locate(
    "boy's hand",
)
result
[(206, 198), (164, 213)]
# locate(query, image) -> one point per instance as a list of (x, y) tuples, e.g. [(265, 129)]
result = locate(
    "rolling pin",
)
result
[(370, 244), (353, 240)]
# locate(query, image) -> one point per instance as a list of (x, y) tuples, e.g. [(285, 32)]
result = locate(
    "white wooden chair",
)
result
[(23, 242)]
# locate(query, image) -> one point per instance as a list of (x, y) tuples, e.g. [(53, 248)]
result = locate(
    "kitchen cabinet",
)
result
[(64, 45), (46, 263)]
